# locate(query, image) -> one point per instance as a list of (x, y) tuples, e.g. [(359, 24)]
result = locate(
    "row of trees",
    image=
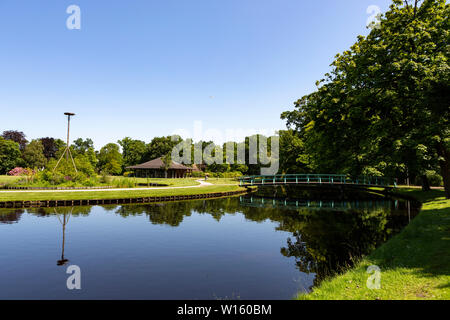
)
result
[(383, 108), (113, 158)]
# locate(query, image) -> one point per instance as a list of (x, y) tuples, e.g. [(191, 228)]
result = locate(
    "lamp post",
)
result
[(67, 150), (68, 114)]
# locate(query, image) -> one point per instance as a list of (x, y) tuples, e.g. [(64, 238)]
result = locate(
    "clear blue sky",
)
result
[(146, 68)]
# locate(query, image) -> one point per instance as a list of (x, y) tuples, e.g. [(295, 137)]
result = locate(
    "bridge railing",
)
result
[(312, 179), (310, 204)]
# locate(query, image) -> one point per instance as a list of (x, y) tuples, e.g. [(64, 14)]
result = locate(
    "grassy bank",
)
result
[(129, 182), (4, 179), (116, 181), (415, 264), (223, 181), (121, 194), (143, 182)]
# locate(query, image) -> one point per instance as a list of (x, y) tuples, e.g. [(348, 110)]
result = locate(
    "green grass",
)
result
[(125, 182), (8, 179), (122, 194), (167, 182), (115, 181), (180, 182), (415, 264), (232, 181)]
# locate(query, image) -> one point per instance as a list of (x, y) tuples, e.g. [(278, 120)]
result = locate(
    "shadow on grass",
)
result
[(423, 246)]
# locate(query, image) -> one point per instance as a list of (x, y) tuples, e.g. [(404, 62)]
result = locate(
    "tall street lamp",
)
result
[(67, 150)]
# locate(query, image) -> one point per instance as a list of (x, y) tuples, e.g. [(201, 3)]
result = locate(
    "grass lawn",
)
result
[(8, 179), (167, 182), (180, 182), (115, 181), (122, 194), (415, 264), (222, 181)]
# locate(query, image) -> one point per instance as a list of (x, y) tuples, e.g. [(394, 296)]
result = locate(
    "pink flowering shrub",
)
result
[(21, 172)]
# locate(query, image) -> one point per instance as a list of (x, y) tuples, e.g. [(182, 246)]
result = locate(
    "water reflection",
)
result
[(286, 203), (10, 216), (322, 236), (65, 219)]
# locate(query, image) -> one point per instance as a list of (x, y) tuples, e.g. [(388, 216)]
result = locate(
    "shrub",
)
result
[(104, 177), (434, 179), (123, 183), (18, 171), (230, 174), (197, 174), (128, 174)]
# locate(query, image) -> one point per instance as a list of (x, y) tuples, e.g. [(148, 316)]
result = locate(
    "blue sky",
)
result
[(148, 68)]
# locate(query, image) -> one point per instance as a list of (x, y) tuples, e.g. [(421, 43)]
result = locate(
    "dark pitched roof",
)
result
[(198, 167), (159, 164)]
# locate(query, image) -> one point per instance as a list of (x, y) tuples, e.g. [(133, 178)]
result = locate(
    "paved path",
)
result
[(202, 183)]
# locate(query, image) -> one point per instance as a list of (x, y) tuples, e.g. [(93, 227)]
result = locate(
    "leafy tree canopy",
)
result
[(384, 106), (16, 136), (9, 155), (33, 155)]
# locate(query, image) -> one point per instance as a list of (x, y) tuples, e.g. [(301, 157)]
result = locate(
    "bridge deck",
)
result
[(314, 179)]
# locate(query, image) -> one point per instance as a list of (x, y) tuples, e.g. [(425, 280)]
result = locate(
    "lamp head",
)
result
[(62, 262), (69, 114)]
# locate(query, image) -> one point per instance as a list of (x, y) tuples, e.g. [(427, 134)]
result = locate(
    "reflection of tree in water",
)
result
[(48, 212), (173, 213), (322, 242), (10, 216), (328, 241)]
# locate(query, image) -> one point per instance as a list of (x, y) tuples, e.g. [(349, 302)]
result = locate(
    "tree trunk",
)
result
[(425, 183), (444, 153)]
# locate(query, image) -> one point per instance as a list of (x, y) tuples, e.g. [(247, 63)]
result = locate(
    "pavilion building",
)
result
[(156, 169)]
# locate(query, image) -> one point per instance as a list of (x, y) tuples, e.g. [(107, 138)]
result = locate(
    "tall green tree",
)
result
[(133, 151), (161, 146), (9, 155), (293, 156), (33, 155), (52, 146), (167, 163), (81, 146), (110, 159), (16, 136), (383, 108)]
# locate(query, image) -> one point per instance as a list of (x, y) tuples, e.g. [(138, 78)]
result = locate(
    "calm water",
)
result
[(234, 248)]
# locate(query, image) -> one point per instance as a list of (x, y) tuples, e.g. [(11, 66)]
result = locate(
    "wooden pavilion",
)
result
[(156, 169)]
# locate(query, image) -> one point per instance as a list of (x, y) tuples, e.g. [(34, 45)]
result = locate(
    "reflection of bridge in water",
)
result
[(260, 202)]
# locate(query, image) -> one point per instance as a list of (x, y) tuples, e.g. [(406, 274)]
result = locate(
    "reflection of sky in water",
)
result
[(190, 250)]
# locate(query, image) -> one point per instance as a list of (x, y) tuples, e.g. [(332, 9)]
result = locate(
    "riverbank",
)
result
[(9, 196), (415, 264)]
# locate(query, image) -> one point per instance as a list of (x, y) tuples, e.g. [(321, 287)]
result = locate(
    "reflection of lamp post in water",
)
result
[(67, 150), (65, 220)]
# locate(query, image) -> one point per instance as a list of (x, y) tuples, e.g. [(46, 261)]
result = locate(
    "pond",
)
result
[(234, 248)]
